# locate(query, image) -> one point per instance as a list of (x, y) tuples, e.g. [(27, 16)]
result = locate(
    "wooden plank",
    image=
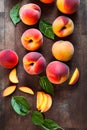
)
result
[(9, 27), (2, 36), (1, 5)]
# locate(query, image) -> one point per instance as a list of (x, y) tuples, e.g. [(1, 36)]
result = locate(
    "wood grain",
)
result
[(69, 102)]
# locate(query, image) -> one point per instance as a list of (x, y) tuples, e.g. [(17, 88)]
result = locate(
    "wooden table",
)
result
[(69, 107)]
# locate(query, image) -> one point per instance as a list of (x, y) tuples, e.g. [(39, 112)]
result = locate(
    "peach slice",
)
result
[(74, 77), (44, 103), (39, 100), (13, 76), (26, 90), (8, 91)]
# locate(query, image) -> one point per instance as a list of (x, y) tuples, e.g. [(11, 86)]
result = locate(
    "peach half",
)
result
[(63, 26), (32, 39), (30, 13), (57, 72), (63, 50), (8, 58), (47, 1), (68, 6), (34, 63), (74, 78)]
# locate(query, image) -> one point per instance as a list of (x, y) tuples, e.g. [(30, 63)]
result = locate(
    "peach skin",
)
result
[(8, 58), (32, 39), (57, 72), (63, 26), (63, 50), (47, 1), (34, 63), (30, 13), (68, 6), (74, 78)]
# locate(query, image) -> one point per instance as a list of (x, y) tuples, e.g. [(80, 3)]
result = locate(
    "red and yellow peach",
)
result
[(8, 58), (34, 63), (63, 50), (68, 6), (30, 13), (32, 39), (63, 26), (57, 72)]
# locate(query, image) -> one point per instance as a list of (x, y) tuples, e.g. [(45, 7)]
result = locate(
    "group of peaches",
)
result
[(34, 62)]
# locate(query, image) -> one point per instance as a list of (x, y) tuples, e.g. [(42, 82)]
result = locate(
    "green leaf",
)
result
[(46, 85), (14, 13), (37, 118), (20, 105), (46, 28), (50, 125)]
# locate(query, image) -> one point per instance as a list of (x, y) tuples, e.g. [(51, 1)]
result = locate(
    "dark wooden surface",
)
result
[(69, 107)]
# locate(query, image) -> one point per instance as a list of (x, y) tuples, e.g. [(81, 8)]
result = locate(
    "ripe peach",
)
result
[(30, 13), (63, 50), (8, 58), (34, 63), (63, 26), (68, 6), (57, 72), (47, 1), (32, 39)]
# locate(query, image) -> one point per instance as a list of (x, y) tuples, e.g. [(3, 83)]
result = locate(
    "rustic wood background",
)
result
[(69, 107)]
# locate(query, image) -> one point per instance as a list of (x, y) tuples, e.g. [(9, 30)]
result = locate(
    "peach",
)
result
[(8, 91), (8, 58), (32, 39), (30, 13), (34, 63), (44, 101), (13, 76), (57, 72), (63, 26), (47, 1), (68, 6), (74, 78), (63, 50)]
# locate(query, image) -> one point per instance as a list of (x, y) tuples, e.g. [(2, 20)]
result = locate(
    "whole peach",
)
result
[(34, 63), (8, 58), (63, 26), (68, 6), (63, 50), (47, 1), (32, 39), (30, 13), (57, 72)]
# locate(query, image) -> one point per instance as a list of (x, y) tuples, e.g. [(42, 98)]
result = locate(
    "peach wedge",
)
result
[(8, 91), (13, 76), (44, 101), (26, 90), (74, 78)]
